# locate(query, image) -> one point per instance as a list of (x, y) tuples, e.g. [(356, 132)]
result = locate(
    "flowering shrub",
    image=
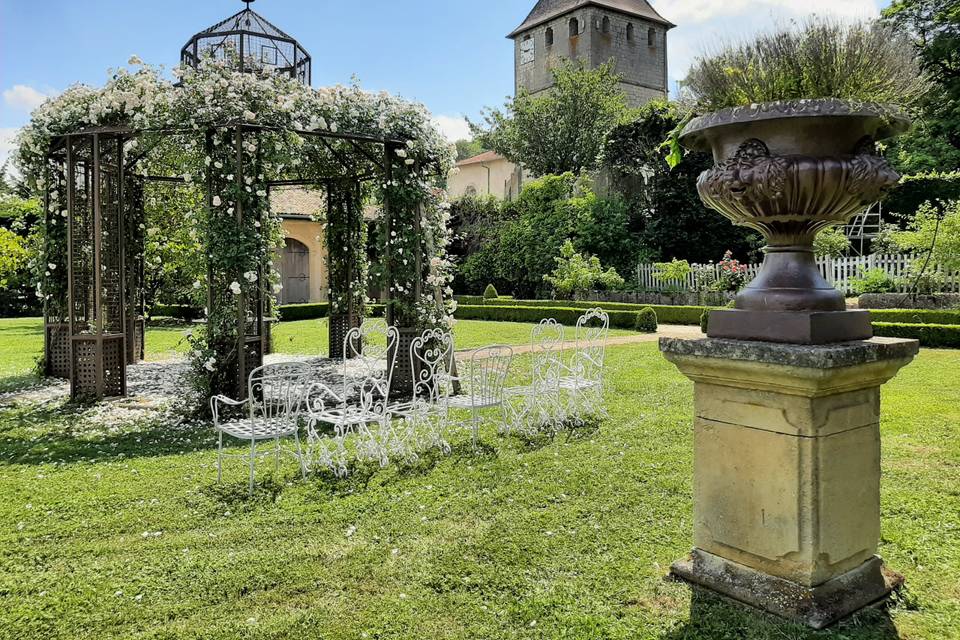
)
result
[(733, 274), (227, 134)]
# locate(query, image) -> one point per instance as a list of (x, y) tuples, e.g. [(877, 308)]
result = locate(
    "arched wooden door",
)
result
[(295, 271)]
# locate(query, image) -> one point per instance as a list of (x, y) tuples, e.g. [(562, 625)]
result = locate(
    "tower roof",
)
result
[(547, 10), (255, 39)]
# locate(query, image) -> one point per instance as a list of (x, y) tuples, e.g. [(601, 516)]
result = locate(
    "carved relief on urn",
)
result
[(789, 170)]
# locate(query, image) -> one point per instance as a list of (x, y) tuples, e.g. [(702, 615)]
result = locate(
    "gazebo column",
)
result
[(402, 218), (56, 326), (134, 220), (95, 178), (345, 250)]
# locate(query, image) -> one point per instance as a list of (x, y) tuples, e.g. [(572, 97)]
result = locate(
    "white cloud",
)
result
[(23, 97), (703, 25), (453, 127)]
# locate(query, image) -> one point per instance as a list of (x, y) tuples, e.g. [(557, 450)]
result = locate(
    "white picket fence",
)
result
[(837, 271)]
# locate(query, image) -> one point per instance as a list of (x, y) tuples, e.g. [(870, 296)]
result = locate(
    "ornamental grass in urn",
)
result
[(793, 120)]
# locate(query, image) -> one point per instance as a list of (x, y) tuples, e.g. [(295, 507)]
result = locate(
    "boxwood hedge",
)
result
[(942, 336)]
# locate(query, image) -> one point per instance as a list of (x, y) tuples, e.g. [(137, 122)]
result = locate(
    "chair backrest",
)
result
[(489, 367), (593, 327), (370, 353), (546, 341), (431, 360), (276, 391)]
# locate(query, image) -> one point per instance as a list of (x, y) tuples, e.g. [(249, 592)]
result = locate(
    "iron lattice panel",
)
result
[(340, 325), (58, 350), (94, 355), (401, 384)]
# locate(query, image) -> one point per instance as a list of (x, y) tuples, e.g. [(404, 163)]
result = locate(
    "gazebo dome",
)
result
[(257, 42)]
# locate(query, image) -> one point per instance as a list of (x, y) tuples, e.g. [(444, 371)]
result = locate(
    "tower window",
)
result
[(549, 36), (527, 50), (629, 32), (651, 37), (605, 24), (574, 27)]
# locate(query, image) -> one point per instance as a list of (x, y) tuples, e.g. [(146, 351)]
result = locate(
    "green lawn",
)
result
[(21, 341), (124, 533)]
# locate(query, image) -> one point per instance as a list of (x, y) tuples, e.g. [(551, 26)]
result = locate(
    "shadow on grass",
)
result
[(60, 440), (713, 617)]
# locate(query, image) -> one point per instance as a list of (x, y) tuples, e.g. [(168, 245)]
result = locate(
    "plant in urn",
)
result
[(795, 152)]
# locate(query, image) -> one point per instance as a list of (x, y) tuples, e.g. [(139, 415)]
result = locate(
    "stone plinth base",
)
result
[(817, 607), (794, 327), (787, 471)]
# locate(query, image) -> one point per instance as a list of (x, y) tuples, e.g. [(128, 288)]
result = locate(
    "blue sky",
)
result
[(450, 54)]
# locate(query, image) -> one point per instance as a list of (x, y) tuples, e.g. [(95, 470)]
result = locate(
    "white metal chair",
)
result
[(537, 406), (273, 410), (483, 385), (361, 409), (425, 414), (582, 378)]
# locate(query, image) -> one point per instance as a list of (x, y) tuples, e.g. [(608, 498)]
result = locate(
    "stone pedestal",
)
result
[(787, 472)]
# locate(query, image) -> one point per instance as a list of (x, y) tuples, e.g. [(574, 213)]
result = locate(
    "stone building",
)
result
[(629, 32)]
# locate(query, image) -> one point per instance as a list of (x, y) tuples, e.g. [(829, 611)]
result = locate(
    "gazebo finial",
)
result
[(248, 3)]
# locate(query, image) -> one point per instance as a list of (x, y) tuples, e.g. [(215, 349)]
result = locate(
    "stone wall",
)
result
[(907, 301), (642, 67)]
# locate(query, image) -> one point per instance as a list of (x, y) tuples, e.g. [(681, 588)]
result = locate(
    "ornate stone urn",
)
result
[(789, 170)]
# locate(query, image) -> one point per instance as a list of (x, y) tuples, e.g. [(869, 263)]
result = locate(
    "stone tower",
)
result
[(630, 32)]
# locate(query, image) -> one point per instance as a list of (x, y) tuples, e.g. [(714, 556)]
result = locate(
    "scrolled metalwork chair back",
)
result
[(593, 327), (487, 375), (547, 346), (431, 360), (370, 353), (276, 393)]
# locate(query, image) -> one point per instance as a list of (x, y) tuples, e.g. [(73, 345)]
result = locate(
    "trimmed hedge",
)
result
[(309, 311), (916, 316), (564, 315), (176, 311), (943, 336)]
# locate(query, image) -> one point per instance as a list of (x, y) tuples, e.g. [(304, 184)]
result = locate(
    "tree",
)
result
[(935, 229), (831, 243), (665, 211), (577, 274), (517, 247), (934, 142), (561, 130), (468, 149)]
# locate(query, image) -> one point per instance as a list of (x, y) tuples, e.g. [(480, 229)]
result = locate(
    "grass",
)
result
[(124, 533), (22, 342)]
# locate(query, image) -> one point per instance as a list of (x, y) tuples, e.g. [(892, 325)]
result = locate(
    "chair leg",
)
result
[(476, 426), (219, 457), (277, 461), (253, 461), (300, 458)]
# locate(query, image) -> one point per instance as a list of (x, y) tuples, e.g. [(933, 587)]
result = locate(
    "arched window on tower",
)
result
[(549, 36), (651, 37), (574, 27), (605, 24), (629, 32)]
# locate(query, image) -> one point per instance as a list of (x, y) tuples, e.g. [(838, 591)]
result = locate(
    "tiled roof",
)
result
[(486, 156), (549, 9)]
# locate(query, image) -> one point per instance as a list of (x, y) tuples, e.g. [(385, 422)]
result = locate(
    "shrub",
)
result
[(577, 275), (821, 58), (943, 336), (622, 315), (646, 320), (872, 281), (177, 311), (831, 243), (469, 299), (671, 272), (733, 274), (490, 293)]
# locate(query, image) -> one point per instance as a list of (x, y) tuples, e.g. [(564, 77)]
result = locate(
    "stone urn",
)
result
[(789, 170)]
